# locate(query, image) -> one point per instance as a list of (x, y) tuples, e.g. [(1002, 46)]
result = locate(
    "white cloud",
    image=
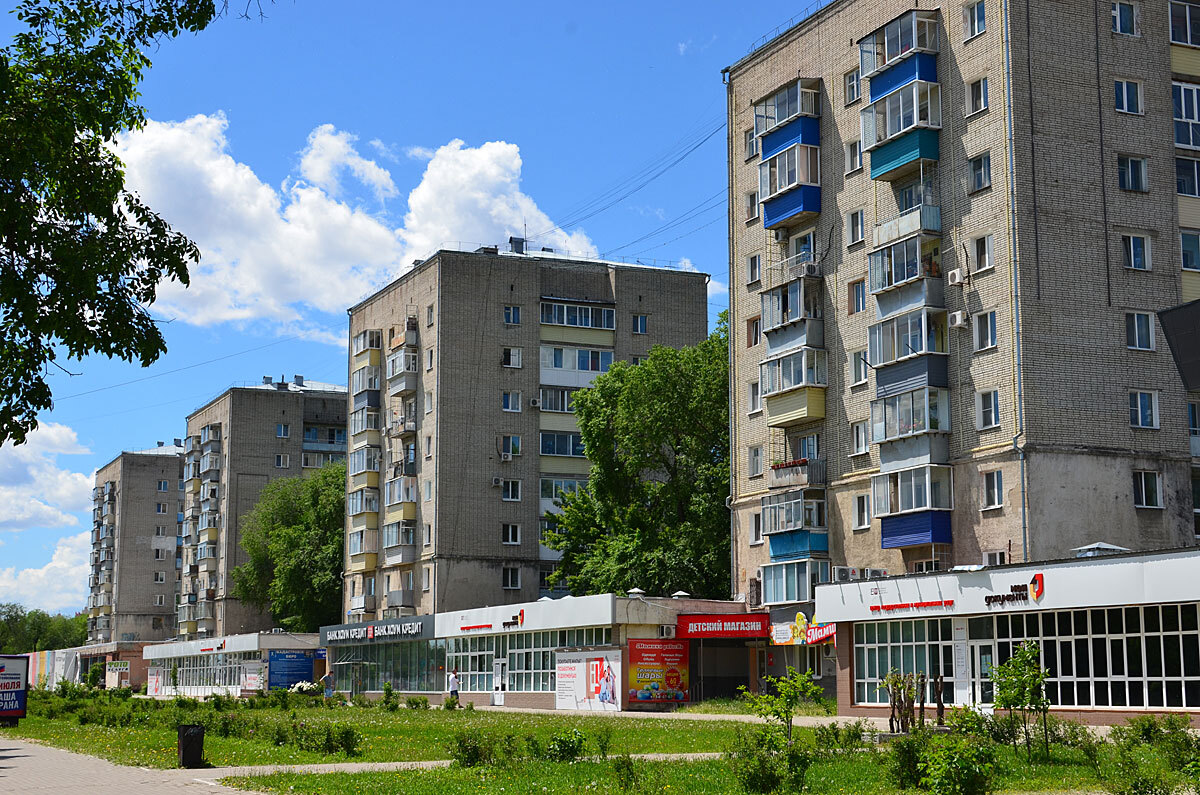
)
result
[(419, 152), (60, 585), (385, 151), (683, 46), (34, 490), (330, 151), (716, 289)]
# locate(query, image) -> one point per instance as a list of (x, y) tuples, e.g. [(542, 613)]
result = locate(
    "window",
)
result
[(993, 489), (1129, 100), (754, 461), (426, 577), (512, 315), (784, 105), (510, 490), (510, 534), (160, 507), (361, 380), (915, 31), (640, 324), (795, 300), (559, 314), (794, 166), (562, 443), (858, 367), (364, 340), (1185, 100), (982, 255), (362, 501), (1187, 179), (974, 19), (510, 401), (1139, 331), (283, 461), (753, 397), (910, 334), (1190, 243), (160, 577), (857, 291), (751, 205), (980, 171), (985, 331), (753, 331), (862, 511), (793, 582), (427, 537), (1135, 249), (1147, 489), (160, 554), (1124, 19), (853, 85), (510, 357), (160, 530), (917, 411), (915, 105), (900, 263), (854, 227), (996, 558), (756, 528), (1185, 23), (282, 431), (805, 367), (510, 444), (919, 489), (987, 409), (1131, 173), (753, 268), (858, 436), (510, 578), (977, 96), (429, 359), (853, 156), (558, 399), (364, 459), (429, 315), (636, 360), (1143, 409), (160, 600), (163, 485), (429, 400), (1194, 427), (429, 447), (551, 488), (750, 143), (428, 490), (581, 359)]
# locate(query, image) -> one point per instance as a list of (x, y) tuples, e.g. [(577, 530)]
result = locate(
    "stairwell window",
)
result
[(977, 96), (510, 534), (753, 268), (854, 227), (1143, 409), (510, 490), (987, 409), (859, 438), (1131, 174), (1124, 18), (640, 324), (853, 156), (1139, 331), (751, 206), (750, 143), (1135, 249), (985, 331), (980, 170), (862, 511), (1129, 99), (756, 529), (974, 19), (754, 462), (982, 254), (993, 490), (858, 296), (1147, 489), (283, 461), (858, 367), (753, 398), (510, 578), (282, 431)]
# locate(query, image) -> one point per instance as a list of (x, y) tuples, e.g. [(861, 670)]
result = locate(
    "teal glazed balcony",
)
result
[(892, 159), (797, 544)]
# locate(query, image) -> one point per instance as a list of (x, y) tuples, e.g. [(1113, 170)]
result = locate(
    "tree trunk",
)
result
[(941, 707)]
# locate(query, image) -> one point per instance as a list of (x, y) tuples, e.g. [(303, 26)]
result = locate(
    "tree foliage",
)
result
[(294, 538), (653, 515), (35, 630), (80, 256)]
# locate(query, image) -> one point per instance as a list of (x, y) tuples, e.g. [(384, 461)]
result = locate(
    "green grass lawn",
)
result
[(737, 706)]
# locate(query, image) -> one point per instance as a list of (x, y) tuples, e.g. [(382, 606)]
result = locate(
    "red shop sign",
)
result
[(724, 625)]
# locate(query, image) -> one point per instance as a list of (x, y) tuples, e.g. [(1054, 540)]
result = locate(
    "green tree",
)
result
[(294, 538), (35, 630), (653, 515), (80, 256), (1020, 686)]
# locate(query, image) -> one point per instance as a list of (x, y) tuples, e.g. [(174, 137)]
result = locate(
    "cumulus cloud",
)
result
[(716, 289), (60, 585), (419, 153), (34, 490), (330, 152)]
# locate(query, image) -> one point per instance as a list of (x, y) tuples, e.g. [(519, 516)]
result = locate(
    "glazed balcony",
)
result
[(800, 472)]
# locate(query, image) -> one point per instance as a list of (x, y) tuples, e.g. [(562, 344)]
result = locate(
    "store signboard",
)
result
[(385, 631), (14, 685), (724, 625), (118, 667), (154, 681), (658, 671), (588, 680), (568, 613), (802, 632)]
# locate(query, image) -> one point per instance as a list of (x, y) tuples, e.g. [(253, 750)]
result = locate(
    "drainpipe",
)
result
[(733, 546)]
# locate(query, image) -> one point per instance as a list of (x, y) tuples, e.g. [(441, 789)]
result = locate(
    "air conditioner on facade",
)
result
[(666, 630), (780, 235), (844, 573), (506, 456), (874, 573), (958, 320), (955, 277), (535, 403), (496, 481)]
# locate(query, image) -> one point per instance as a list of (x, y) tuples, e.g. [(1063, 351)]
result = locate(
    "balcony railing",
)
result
[(925, 217), (362, 602), (800, 472)]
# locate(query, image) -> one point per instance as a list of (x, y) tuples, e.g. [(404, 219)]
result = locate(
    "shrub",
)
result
[(361, 701), (469, 706), (417, 702), (1136, 773), (279, 698), (220, 702), (69, 690), (94, 675), (965, 720), (389, 700), (626, 772), (142, 688), (451, 702), (841, 737), (754, 759), (1170, 735), (959, 767), (472, 748), (904, 759), (565, 746), (603, 737), (122, 692)]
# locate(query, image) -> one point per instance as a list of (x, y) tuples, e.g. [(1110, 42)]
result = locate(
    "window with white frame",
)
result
[(510, 578), (853, 156), (362, 459), (512, 315), (163, 485), (564, 443), (1139, 331), (979, 170), (1185, 101), (858, 296), (1187, 176), (977, 96), (510, 357), (911, 334), (1135, 251), (160, 600), (797, 165), (560, 314), (756, 528), (364, 340), (993, 489), (792, 582), (974, 19), (754, 461), (510, 534), (995, 558), (985, 331), (1185, 22), (429, 315), (510, 401), (428, 401), (640, 324), (510, 443), (858, 367), (283, 461), (426, 577), (282, 431), (783, 106), (910, 413), (1143, 409), (753, 331), (749, 143), (803, 509), (579, 359), (982, 253), (1131, 173), (557, 399), (853, 86), (1124, 18), (160, 577), (160, 554), (1147, 489), (921, 646), (753, 268), (160, 530), (862, 511), (160, 507), (937, 558), (859, 443), (1189, 242), (1129, 97), (987, 409), (753, 397), (805, 367), (553, 488), (429, 359), (510, 490), (917, 104), (751, 205), (427, 537), (915, 31), (1194, 427), (854, 227)]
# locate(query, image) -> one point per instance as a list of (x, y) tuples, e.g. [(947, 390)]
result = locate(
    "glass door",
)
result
[(982, 656)]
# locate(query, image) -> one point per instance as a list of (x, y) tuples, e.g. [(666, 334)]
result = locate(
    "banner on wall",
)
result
[(802, 632), (658, 671), (14, 685), (588, 680)]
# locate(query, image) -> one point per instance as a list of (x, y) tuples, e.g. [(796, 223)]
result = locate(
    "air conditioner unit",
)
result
[(958, 320), (506, 456), (871, 574), (497, 481), (535, 403), (666, 630), (844, 573), (780, 235), (955, 277)]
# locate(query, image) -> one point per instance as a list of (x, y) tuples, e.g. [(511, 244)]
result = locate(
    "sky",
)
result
[(314, 154)]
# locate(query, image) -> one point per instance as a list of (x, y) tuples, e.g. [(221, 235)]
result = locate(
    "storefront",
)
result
[(727, 651), (232, 665), (1118, 634), (800, 642), (121, 662)]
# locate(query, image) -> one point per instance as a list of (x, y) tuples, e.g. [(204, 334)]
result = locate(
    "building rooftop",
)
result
[(161, 449)]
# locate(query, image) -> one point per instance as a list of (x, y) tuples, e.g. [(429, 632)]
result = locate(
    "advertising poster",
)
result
[(658, 671), (802, 632), (14, 686), (252, 676), (588, 680), (154, 682), (286, 668)]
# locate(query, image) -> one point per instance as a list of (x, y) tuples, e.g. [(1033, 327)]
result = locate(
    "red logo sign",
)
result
[(370, 631), (724, 625), (1037, 586), (521, 618), (819, 633)]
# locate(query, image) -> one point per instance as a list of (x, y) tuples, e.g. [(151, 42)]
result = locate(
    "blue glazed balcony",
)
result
[(801, 130), (892, 160), (796, 205), (797, 544), (920, 66), (915, 529)]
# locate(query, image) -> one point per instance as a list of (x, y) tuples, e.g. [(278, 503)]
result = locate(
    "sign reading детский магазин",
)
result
[(14, 687)]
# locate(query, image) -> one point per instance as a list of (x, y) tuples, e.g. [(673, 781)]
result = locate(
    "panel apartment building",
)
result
[(950, 232), (461, 426), (237, 443), (135, 530)]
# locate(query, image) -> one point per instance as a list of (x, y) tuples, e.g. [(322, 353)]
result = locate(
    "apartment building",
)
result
[(461, 427), (135, 532), (237, 443), (951, 228)]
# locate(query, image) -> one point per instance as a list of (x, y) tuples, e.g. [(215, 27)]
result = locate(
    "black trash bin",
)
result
[(191, 745)]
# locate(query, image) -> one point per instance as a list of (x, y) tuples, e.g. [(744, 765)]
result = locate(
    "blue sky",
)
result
[(315, 154)]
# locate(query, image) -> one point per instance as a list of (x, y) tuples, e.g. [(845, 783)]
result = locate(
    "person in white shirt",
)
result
[(454, 683)]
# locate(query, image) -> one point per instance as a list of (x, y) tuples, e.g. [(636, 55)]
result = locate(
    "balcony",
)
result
[(924, 219), (402, 426), (399, 554), (402, 598), (362, 602), (403, 383), (901, 156), (797, 544), (915, 529), (798, 205), (206, 565), (801, 472), (1196, 451)]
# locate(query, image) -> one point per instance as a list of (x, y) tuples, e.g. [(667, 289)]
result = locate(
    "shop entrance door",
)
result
[(499, 681), (982, 656)]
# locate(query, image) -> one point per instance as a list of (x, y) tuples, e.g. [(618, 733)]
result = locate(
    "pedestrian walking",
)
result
[(327, 680), (454, 684)]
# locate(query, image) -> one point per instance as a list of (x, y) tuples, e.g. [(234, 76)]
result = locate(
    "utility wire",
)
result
[(711, 203)]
